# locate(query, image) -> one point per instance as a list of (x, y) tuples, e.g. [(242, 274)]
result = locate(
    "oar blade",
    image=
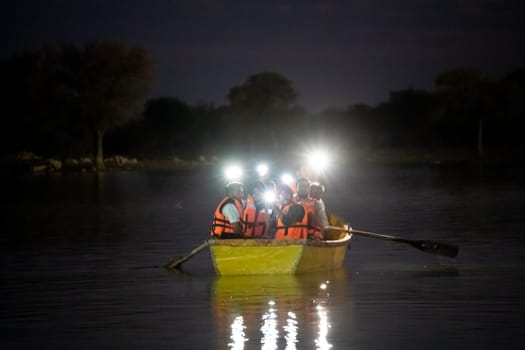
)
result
[(174, 263), (436, 248), (178, 260)]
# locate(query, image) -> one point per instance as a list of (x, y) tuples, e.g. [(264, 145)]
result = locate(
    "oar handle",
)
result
[(378, 235)]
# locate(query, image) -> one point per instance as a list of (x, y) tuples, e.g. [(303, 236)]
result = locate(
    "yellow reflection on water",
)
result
[(275, 312)]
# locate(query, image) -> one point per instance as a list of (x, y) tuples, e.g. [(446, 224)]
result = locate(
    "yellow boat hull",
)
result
[(274, 257)]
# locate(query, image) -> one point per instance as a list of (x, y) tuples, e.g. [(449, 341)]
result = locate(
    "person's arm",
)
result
[(271, 223), (231, 212), (266, 222), (277, 212), (237, 228), (320, 211)]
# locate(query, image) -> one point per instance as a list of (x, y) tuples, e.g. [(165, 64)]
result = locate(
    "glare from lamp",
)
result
[(318, 160), (287, 179), (233, 173), (269, 196), (262, 169)]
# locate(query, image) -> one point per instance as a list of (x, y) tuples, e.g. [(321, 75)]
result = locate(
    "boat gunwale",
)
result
[(270, 242)]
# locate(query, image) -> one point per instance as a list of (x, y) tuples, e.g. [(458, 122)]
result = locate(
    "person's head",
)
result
[(317, 190), (235, 190), (284, 194), (303, 187), (257, 191), (305, 170)]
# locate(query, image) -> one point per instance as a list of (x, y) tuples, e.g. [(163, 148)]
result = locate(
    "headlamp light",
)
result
[(262, 170), (269, 196), (233, 173)]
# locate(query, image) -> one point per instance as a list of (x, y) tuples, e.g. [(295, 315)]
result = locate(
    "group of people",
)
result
[(297, 213)]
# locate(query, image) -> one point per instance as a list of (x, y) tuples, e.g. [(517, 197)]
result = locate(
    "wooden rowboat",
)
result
[(273, 257)]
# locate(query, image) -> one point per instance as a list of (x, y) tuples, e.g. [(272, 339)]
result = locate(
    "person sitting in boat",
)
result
[(228, 215), (303, 197), (256, 215), (290, 218), (317, 191)]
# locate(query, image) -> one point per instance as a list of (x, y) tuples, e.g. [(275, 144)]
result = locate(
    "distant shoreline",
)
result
[(28, 162)]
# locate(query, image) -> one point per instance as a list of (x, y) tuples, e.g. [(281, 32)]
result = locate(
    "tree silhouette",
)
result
[(170, 122), (460, 92), (63, 93), (260, 109), (110, 82)]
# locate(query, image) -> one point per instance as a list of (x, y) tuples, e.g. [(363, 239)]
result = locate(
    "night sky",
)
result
[(336, 53)]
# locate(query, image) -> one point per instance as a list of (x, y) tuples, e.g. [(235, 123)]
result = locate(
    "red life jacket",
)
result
[(314, 228), (221, 224), (297, 230), (254, 222)]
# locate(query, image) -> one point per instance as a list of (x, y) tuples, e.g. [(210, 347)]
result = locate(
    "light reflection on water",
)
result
[(322, 342), (238, 336), (269, 328), (276, 311), (291, 331)]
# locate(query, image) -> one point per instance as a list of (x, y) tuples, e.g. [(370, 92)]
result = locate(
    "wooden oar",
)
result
[(178, 260), (426, 246)]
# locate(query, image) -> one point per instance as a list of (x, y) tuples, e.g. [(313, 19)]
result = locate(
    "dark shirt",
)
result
[(295, 214)]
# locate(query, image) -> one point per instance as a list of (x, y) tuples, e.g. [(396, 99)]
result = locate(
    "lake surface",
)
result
[(80, 262)]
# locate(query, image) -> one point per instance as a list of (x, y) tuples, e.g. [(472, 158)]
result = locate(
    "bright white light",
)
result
[(262, 169), (233, 172), (318, 160), (269, 328), (292, 330), (322, 342), (238, 336), (269, 196), (287, 179)]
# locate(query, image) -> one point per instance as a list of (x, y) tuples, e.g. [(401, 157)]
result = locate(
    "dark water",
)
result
[(78, 257)]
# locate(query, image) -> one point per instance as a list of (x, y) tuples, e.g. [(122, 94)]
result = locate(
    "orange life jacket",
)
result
[(221, 224), (314, 228), (254, 223), (297, 230)]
